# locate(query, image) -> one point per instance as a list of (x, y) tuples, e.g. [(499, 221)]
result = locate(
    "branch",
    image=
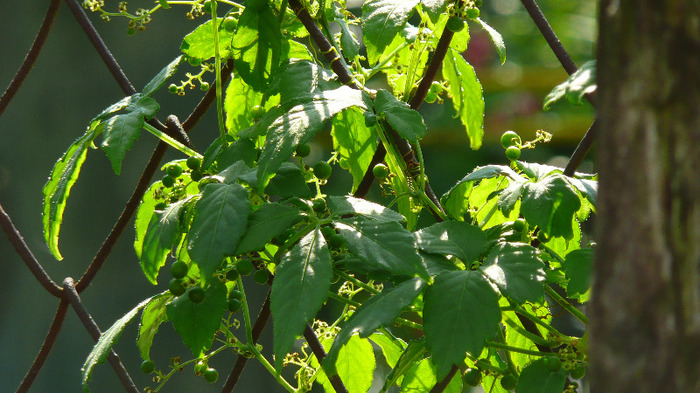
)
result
[(320, 353), (257, 330), (46, 347), (582, 149), (32, 55), (73, 297), (26, 254), (440, 386), (548, 33)]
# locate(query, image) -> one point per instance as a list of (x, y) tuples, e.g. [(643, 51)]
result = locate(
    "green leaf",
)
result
[(159, 80), (341, 206), (509, 197), (199, 44), (406, 121), (379, 311), (120, 131), (239, 100), (153, 315), (392, 347), (289, 181), (299, 124), (460, 239), (356, 364), (301, 78), (300, 288), (496, 38), (536, 378), (240, 172), (550, 203), (270, 220), (578, 267), (104, 344), (517, 271), (434, 8), (355, 142), (413, 354), (143, 216), (384, 246), (56, 191), (467, 95), (579, 84), (197, 323), (348, 41), (220, 220), (489, 171), (257, 44), (460, 313), (384, 19), (159, 239), (421, 378)]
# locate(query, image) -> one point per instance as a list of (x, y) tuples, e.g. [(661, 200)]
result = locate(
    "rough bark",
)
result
[(645, 312)]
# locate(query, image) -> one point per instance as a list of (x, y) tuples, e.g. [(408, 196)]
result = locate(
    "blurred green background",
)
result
[(69, 85)]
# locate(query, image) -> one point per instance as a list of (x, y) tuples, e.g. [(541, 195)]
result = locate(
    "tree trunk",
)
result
[(645, 312)]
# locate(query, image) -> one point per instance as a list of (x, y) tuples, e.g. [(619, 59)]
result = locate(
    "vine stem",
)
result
[(442, 385), (320, 353), (217, 71), (171, 141), (497, 345), (538, 340), (246, 314), (566, 305)]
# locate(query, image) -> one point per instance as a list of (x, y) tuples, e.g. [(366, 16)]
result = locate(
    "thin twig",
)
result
[(32, 55), (548, 33), (258, 327), (74, 298), (207, 100), (440, 386), (320, 353), (46, 347), (582, 149), (26, 254)]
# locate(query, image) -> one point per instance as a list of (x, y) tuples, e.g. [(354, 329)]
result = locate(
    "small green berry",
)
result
[(207, 7), (172, 88), (148, 366), (322, 170), (211, 375), (319, 205), (431, 97), (196, 295), (178, 269), (174, 170), (261, 276), (509, 382), (257, 112), (131, 31), (472, 377), (244, 267), (161, 206), (578, 372), (230, 24), (168, 181), (380, 171), (175, 287), (196, 175), (370, 118), (204, 86), (473, 13), (455, 24), (519, 225), (303, 150), (510, 138), (232, 275), (235, 294), (513, 153), (234, 305), (193, 163), (200, 367), (194, 62)]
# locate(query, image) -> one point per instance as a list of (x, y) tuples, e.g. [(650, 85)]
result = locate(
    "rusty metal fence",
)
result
[(68, 291)]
